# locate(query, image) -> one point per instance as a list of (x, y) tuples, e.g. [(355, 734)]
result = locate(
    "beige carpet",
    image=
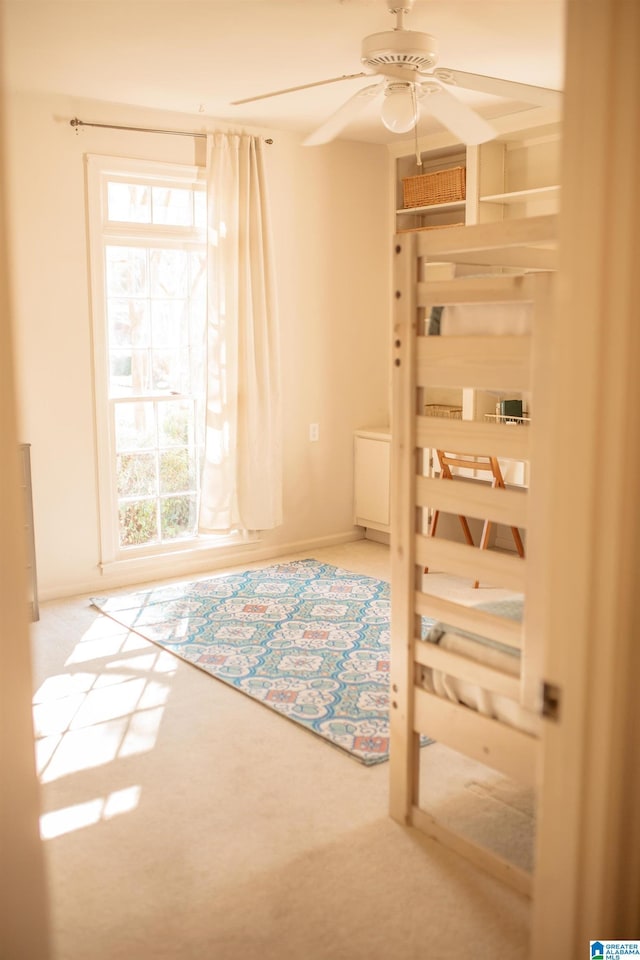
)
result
[(184, 820)]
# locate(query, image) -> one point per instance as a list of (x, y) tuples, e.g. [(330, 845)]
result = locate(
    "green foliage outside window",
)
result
[(138, 523), (177, 516), (136, 474), (137, 477)]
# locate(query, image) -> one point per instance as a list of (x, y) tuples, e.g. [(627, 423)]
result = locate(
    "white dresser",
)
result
[(372, 462)]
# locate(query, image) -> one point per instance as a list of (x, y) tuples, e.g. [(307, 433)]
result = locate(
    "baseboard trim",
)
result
[(379, 536), (158, 568)]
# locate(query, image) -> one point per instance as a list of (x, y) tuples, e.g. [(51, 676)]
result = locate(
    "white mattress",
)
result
[(490, 653), (486, 319)]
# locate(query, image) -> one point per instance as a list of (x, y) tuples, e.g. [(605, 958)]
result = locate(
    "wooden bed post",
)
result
[(540, 491), (404, 743)]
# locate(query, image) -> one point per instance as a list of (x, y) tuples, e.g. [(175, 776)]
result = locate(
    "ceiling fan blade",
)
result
[(344, 115), (457, 117), (304, 86), (525, 92)]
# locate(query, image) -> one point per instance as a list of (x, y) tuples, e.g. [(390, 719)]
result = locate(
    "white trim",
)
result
[(123, 166), (169, 567), (209, 545), (104, 478), (99, 169), (588, 837)]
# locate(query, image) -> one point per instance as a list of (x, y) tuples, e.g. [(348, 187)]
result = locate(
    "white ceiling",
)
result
[(195, 57)]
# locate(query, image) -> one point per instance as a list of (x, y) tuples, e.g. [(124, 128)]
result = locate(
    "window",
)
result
[(149, 266)]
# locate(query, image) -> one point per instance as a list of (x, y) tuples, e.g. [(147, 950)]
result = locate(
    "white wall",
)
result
[(331, 223), (23, 898)]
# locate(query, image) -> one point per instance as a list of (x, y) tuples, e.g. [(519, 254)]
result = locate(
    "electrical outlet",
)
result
[(314, 432)]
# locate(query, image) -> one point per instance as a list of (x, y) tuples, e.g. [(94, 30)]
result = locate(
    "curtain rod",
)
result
[(116, 126)]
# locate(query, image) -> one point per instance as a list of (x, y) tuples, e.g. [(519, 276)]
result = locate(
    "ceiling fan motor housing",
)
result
[(400, 48)]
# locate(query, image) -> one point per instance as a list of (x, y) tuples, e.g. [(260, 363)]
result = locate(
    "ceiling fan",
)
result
[(405, 59)]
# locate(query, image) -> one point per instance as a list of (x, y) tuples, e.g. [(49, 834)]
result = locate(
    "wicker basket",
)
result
[(443, 186), (443, 410)]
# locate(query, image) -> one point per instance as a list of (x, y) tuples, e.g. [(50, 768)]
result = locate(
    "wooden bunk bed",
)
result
[(510, 261)]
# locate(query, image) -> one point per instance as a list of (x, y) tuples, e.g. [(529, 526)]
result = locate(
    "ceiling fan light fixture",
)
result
[(400, 108)]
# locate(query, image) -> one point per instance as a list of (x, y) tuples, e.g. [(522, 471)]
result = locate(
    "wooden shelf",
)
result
[(433, 207), (522, 196), (439, 226)]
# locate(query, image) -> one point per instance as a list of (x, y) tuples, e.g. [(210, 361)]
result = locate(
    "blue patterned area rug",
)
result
[(305, 638)]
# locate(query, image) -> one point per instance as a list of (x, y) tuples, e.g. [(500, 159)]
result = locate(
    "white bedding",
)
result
[(486, 319), (490, 653)]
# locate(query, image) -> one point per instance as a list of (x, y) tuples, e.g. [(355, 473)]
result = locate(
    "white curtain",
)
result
[(242, 473)]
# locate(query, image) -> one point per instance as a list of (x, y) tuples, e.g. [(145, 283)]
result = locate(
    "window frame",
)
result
[(99, 170)]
